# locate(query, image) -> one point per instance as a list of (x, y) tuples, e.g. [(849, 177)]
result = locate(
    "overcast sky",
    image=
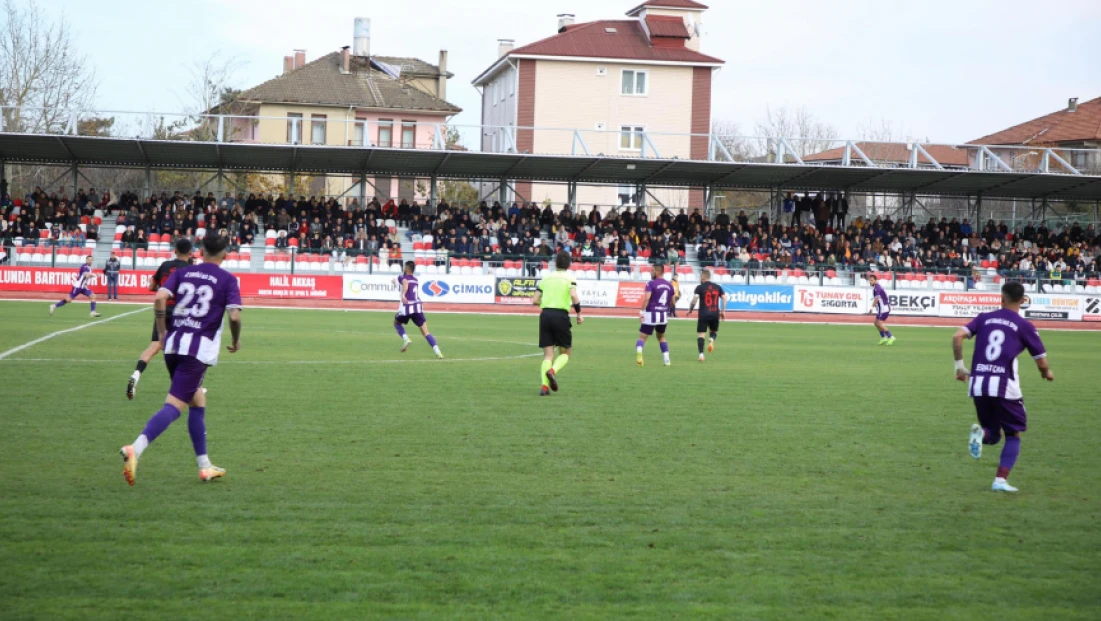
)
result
[(947, 70)]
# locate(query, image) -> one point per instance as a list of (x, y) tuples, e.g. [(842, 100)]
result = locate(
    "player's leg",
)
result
[(92, 297), (1014, 422), (173, 404), (544, 368), (887, 330), (563, 338), (701, 333), (644, 333), (663, 344), (882, 331), (196, 428), (421, 323), (143, 361), (399, 326), (62, 302), (714, 329)]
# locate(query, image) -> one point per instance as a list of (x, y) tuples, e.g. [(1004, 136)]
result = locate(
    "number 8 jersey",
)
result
[(203, 294), (1000, 337)]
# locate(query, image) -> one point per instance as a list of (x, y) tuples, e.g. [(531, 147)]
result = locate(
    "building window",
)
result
[(630, 137), (408, 134), (294, 128), (359, 134), (627, 195), (635, 82), (317, 128), (385, 133)]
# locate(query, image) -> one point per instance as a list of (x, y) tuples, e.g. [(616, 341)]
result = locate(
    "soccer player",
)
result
[(80, 287), (183, 259), (555, 295), (881, 308), (712, 301), (192, 337), (410, 308), (1000, 336), (655, 313)]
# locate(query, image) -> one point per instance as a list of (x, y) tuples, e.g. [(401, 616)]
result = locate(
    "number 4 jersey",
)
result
[(203, 294), (1000, 337)]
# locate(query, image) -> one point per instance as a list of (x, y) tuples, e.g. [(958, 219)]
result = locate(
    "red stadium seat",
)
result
[(418, 246), (270, 242), (293, 242)]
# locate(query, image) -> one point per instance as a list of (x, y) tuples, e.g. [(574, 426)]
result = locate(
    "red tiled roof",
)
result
[(895, 152), (669, 4), (1057, 127), (667, 26), (628, 42)]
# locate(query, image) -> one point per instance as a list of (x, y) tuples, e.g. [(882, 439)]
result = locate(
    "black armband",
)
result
[(159, 314), (577, 307)]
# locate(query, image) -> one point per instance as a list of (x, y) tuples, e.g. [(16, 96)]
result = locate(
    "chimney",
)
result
[(1072, 104), (504, 46), (288, 64), (299, 59), (361, 37), (441, 87), (345, 60), (565, 20)]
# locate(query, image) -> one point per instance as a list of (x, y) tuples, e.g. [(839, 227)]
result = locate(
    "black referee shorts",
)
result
[(707, 323), (555, 329)]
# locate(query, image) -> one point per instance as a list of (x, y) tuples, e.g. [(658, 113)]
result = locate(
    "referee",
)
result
[(557, 292)]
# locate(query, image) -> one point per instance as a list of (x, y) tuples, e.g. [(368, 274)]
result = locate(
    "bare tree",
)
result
[(803, 131), (43, 74), (212, 90), (740, 147)]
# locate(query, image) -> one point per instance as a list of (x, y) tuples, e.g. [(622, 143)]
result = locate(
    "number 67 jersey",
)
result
[(203, 294), (1000, 337)]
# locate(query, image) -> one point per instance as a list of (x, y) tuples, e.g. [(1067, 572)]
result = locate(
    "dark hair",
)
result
[(213, 245), (183, 246), (562, 261), (410, 266), (1013, 291)]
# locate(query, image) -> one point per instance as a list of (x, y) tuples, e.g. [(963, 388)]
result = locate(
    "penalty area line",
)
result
[(15, 350)]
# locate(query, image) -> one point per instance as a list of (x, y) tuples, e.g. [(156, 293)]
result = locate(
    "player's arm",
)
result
[(154, 282), (159, 304), (235, 330), (722, 307), (645, 303), (538, 299), (692, 304), (576, 299), (957, 351), (1036, 349)]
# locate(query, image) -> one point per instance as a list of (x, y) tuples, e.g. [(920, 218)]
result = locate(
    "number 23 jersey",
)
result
[(1000, 337), (203, 293)]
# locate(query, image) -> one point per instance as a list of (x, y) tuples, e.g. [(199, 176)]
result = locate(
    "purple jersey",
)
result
[(410, 293), (203, 294), (880, 302), (1000, 337), (82, 277), (661, 298)]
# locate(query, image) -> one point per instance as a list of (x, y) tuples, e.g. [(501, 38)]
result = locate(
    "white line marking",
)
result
[(299, 362), (60, 332)]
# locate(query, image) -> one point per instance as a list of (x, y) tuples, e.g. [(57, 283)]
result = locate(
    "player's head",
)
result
[(872, 279), (1013, 293), (705, 275), (562, 261), (88, 260), (183, 248), (657, 270), (410, 267), (214, 247)]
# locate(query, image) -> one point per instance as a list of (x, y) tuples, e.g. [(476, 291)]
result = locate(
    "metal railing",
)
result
[(628, 141)]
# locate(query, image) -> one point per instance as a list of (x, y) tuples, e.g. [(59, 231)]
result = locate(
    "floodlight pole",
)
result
[(76, 179)]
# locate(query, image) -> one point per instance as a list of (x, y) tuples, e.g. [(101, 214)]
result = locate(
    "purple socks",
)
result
[(160, 421), (431, 340), (401, 329), (640, 343), (1010, 452), (93, 307), (59, 304), (665, 347), (196, 426)]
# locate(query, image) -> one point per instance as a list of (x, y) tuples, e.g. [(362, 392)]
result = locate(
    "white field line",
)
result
[(297, 362), (732, 316), (15, 350)]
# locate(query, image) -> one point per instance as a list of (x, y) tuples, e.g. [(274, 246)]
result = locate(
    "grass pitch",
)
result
[(801, 472)]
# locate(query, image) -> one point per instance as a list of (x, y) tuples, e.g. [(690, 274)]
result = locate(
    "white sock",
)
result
[(436, 349), (665, 357), (203, 461), (638, 349), (140, 445), (136, 375)]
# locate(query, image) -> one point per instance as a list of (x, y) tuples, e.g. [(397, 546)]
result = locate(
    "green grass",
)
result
[(802, 472)]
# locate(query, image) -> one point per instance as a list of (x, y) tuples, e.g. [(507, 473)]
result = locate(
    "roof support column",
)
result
[(221, 178), (433, 193), (502, 192), (76, 179), (709, 202), (571, 191), (148, 183), (362, 190), (291, 186)]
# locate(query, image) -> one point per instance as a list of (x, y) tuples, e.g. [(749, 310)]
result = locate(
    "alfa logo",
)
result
[(504, 287), (436, 288)]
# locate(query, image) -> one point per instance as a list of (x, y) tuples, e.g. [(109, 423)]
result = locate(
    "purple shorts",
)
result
[(648, 330), (883, 316), (998, 413), (80, 291), (187, 375), (418, 319)]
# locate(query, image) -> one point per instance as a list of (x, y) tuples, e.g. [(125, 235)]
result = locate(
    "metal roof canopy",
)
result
[(168, 154)]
